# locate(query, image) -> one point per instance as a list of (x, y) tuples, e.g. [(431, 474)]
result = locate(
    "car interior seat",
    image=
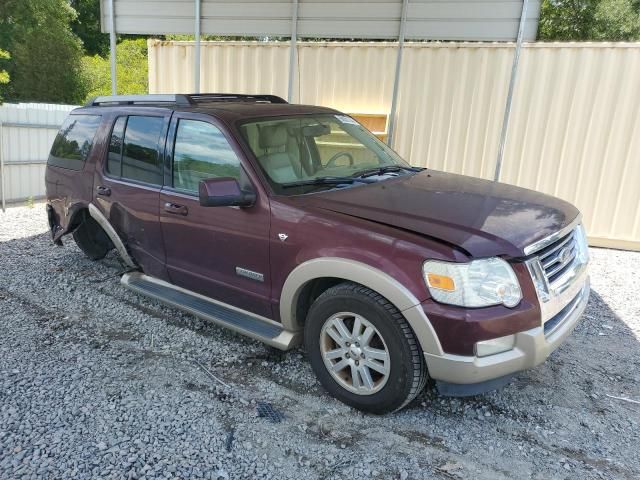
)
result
[(281, 161)]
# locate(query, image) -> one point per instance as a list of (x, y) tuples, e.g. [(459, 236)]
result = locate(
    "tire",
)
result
[(394, 380), (92, 240)]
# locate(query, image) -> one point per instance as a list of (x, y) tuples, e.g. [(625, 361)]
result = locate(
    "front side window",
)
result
[(201, 151), (307, 148), (140, 153), (73, 143)]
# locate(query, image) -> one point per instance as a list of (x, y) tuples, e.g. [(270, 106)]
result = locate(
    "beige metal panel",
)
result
[(246, 69), (239, 67), (575, 133), (354, 77), (450, 106)]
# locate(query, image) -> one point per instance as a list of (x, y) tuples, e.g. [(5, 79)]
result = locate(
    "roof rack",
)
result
[(234, 97), (181, 99)]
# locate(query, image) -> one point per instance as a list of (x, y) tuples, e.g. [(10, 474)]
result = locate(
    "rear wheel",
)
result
[(92, 239), (363, 350)]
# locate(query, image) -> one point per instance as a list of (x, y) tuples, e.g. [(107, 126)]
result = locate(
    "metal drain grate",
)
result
[(266, 410)]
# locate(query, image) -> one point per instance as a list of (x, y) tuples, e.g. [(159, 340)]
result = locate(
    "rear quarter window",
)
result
[(74, 141)]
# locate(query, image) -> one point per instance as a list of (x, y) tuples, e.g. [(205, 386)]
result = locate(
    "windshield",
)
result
[(305, 153)]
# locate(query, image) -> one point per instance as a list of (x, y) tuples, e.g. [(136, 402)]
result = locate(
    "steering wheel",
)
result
[(332, 160)]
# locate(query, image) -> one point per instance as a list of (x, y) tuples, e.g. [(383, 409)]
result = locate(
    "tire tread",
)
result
[(420, 373)]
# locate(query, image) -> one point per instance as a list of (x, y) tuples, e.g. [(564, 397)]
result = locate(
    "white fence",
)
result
[(27, 131)]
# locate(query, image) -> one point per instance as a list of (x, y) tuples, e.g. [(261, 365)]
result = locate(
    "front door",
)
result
[(128, 181), (220, 252)]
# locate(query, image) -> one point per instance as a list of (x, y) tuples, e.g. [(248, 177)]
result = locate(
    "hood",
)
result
[(481, 217)]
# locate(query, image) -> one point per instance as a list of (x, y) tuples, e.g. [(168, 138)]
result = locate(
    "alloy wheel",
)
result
[(355, 353)]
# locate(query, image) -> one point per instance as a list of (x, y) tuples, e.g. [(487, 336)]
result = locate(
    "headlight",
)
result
[(480, 283), (583, 245)]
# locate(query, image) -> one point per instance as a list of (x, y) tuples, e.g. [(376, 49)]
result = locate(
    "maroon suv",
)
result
[(291, 223)]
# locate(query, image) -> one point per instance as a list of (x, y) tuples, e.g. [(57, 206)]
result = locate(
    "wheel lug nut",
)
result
[(348, 344), (357, 363), (348, 356)]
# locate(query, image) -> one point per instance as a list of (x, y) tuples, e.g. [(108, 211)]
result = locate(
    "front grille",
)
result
[(558, 257), (558, 319)]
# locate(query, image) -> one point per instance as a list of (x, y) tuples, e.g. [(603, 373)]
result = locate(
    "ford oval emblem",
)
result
[(565, 255)]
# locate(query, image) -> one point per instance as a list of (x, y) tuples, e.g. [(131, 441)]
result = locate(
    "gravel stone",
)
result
[(98, 382)]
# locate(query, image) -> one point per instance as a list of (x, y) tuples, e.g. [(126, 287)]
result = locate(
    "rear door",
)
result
[(128, 183), (220, 252)]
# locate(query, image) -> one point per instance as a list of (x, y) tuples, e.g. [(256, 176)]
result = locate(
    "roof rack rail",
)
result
[(138, 99), (181, 99), (234, 97)]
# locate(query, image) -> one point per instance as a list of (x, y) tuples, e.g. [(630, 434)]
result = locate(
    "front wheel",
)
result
[(363, 350)]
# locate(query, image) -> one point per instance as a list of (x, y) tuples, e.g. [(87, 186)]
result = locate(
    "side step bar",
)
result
[(233, 318)]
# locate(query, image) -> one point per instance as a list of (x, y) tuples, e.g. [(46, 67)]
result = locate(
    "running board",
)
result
[(233, 318)]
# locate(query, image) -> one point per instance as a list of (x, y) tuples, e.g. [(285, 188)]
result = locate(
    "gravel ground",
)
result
[(98, 382)]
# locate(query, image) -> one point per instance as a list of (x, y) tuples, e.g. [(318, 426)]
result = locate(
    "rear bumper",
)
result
[(532, 347)]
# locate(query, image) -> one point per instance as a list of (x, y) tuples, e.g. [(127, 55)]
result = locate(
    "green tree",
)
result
[(131, 68), (617, 20), (4, 75), (46, 54), (566, 19), (581, 20), (87, 26)]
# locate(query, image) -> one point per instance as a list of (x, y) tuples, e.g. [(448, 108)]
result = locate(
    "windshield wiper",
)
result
[(320, 181), (385, 169)]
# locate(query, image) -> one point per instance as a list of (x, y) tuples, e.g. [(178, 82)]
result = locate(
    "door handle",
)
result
[(106, 191), (175, 209)]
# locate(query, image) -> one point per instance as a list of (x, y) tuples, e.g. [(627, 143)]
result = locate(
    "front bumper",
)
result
[(532, 347)]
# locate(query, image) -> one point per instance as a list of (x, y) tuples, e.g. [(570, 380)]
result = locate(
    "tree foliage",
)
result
[(4, 75), (582, 20), (131, 68), (45, 53), (86, 26)]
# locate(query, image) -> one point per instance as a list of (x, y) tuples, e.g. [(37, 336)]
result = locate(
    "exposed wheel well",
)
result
[(77, 218), (312, 290), (89, 235)]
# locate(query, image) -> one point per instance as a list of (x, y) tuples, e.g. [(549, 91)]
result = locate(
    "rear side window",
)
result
[(114, 158), (134, 149), (201, 151), (73, 143)]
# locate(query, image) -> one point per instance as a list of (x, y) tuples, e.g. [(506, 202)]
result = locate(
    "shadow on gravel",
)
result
[(600, 336)]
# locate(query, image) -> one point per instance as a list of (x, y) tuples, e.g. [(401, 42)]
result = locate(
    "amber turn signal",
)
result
[(441, 282)]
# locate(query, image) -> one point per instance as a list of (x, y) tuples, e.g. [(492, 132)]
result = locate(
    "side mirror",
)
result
[(224, 192)]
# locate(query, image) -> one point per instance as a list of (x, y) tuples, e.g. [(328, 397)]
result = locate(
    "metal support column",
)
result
[(396, 80), (112, 47), (293, 51), (512, 83), (196, 63), (2, 182)]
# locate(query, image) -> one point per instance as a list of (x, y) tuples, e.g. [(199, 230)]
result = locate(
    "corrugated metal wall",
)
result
[(574, 131), (27, 131)]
